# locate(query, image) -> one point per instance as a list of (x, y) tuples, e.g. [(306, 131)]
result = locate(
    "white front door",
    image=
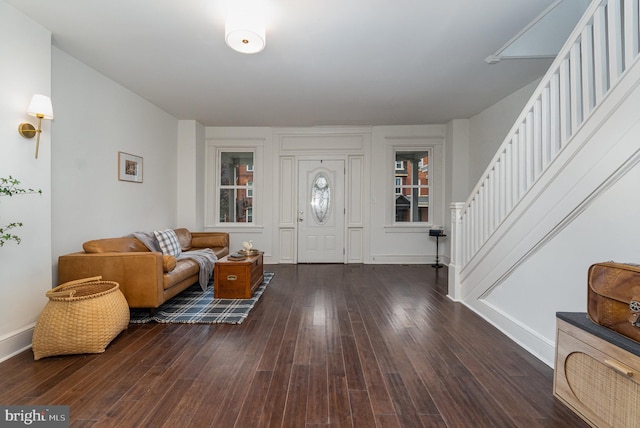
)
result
[(321, 211)]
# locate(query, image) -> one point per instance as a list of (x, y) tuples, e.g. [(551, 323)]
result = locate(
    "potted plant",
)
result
[(9, 187)]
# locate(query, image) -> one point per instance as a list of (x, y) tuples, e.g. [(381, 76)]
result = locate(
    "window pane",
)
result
[(409, 170), (321, 199), (236, 168), (226, 211), (235, 207), (243, 203), (405, 210)]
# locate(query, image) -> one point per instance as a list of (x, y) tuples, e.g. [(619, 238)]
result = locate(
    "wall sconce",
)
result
[(40, 108)]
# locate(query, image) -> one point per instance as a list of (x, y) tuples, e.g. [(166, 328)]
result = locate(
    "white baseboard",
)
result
[(406, 259), (16, 342), (536, 344)]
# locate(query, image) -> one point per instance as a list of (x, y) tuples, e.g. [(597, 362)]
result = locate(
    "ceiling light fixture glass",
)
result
[(245, 33)]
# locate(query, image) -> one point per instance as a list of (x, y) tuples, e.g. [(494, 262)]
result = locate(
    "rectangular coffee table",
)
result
[(237, 279)]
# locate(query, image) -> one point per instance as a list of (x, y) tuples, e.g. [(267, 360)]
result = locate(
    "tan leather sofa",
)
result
[(147, 278)]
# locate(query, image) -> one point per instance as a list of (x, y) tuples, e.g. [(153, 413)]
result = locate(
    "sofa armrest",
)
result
[(217, 241), (139, 274)]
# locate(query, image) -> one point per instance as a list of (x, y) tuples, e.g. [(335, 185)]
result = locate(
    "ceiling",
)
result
[(327, 62)]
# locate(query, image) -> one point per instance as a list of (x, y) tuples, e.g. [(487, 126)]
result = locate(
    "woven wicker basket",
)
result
[(81, 317)]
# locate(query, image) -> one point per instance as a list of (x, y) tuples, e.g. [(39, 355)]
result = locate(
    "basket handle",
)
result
[(62, 293), (60, 290), (65, 285)]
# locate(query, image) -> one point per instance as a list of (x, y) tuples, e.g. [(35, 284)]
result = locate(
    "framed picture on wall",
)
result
[(129, 167)]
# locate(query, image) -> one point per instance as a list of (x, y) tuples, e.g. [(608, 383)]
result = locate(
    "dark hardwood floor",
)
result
[(326, 345)]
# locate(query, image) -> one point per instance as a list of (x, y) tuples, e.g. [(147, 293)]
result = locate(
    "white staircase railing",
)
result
[(601, 48)]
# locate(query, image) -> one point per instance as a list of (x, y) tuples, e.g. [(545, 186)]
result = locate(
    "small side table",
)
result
[(438, 234)]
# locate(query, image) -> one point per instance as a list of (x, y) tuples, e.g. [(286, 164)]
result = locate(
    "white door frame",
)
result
[(351, 144), (343, 191)]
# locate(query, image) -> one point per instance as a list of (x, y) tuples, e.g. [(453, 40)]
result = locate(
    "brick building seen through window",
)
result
[(236, 187), (411, 186)]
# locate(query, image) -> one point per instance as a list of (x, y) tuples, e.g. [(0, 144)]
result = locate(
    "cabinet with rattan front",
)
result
[(597, 379)]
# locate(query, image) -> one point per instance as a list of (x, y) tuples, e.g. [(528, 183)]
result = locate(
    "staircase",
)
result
[(577, 135)]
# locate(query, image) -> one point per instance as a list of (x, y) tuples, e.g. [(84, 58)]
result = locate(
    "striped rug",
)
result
[(193, 306)]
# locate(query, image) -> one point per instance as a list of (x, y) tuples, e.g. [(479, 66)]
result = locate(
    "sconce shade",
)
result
[(245, 34), (41, 107)]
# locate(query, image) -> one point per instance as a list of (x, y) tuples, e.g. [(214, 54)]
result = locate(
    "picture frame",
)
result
[(130, 167)]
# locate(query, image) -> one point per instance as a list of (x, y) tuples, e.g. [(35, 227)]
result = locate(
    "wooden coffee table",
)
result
[(237, 279)]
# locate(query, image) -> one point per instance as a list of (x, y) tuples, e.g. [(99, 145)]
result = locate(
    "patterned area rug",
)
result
[(193, 306)]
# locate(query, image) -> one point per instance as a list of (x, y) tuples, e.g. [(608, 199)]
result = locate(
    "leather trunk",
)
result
[(614, 297)]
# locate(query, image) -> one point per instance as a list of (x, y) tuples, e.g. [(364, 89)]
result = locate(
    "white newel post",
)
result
[(456, 246)]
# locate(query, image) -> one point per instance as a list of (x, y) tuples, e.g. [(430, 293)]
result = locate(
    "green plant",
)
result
[(9, 187)]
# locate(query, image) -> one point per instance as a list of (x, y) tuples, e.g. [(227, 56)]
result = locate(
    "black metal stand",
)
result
[(437, 264)]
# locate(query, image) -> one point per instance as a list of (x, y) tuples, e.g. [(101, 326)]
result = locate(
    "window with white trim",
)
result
[(411, 186), (234, 186)]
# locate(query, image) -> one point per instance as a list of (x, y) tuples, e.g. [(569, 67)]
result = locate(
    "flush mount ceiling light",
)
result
[(245, 33)]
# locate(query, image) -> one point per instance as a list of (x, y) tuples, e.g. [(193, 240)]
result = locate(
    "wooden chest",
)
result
[(597, 372), (237, 279)]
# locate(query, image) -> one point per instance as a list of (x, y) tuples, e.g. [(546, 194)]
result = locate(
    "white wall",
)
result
[(488, 129), (555, 278), (371, 237), (582, 210), (457, 183), (258, 139), (391, 243), (190, 175), (456, 180), (25, 269), (471, 144), (95, 119), (83, 199), (351, 145)]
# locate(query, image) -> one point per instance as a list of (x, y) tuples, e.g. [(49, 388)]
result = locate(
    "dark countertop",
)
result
[(582, 320)]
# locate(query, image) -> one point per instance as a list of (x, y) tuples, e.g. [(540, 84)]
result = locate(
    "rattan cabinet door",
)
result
[(597, 380)]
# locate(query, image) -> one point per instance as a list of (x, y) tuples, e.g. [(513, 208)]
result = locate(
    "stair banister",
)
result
[(603, 45)]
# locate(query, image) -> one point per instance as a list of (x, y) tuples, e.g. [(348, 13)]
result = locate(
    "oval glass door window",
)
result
[(321, 198)]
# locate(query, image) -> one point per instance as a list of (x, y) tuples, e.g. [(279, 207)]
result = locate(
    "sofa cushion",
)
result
[(114, 245), (184, 269), (168, 242), (184, 238)]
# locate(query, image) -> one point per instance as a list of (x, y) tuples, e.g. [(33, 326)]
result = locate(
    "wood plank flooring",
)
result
[(326, 346)]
